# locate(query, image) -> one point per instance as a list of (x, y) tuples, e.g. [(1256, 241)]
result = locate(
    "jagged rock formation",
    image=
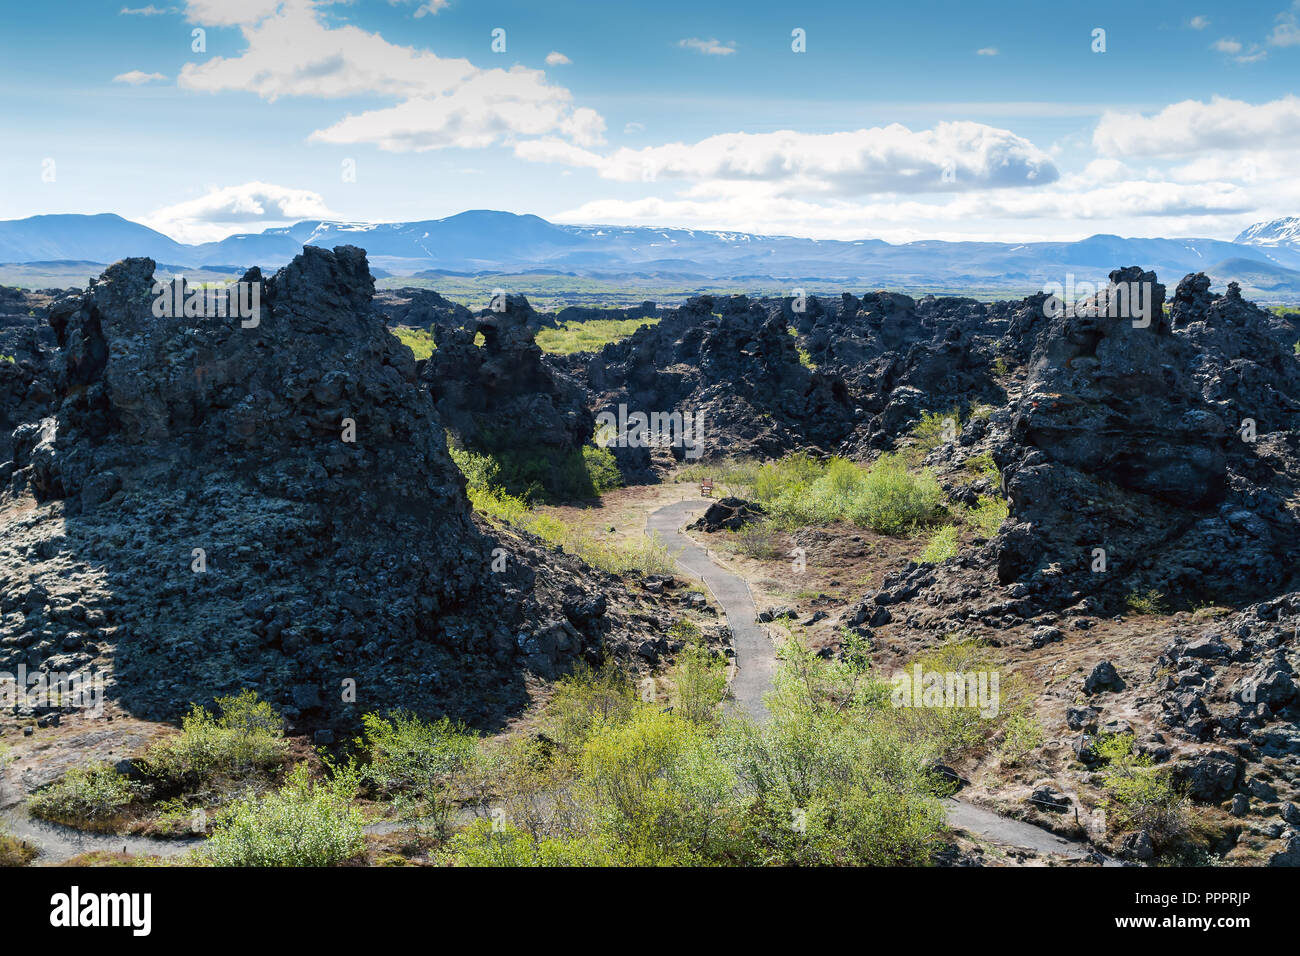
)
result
[(503, 399), (194, 514), (419, 309), (733, 361)]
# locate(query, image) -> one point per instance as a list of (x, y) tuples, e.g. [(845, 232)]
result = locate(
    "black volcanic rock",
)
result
[(502, 398), (204, 520)]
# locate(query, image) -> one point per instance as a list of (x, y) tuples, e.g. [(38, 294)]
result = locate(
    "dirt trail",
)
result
[(756, 663)]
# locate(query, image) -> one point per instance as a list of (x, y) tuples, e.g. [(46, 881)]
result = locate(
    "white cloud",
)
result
[(250, 207), (1192, 126), (230, 13), (1057, 213), (431, 8), (136, 77), (443, 102), (294, 54), (858, 162), (491, 106), (1198, 22), (1287, 31), (987, 51), (634, 127), (709, 47), (149, 11), (1235, 48), (556, 58)]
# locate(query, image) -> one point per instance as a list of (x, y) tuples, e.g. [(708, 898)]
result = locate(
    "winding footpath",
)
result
[(756, 664)]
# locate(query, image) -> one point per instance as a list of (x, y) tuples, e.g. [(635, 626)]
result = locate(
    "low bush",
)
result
[(416, 763), (85, 797), (243, 738), (303, 823), (941, 546), (798, 491), (1140, 795)]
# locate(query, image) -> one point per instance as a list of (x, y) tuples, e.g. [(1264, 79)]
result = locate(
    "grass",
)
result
[(589, 336), (983, 466), (1141, 796), (539, 474), (987, 516), (493, 502), (13, 852), (419, 341)]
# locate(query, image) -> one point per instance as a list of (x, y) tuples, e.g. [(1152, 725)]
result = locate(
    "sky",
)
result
[(1020, 121)]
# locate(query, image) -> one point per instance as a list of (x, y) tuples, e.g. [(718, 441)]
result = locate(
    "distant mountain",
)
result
[(102, 238), (1264, 257), (1274, 232)]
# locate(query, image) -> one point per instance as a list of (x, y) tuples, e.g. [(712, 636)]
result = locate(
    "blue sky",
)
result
[(899, 121)]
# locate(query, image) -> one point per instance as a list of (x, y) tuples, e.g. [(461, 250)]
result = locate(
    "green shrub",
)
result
[(1150, 602), (304, 823), (895, 501), (85, 796), (243, 738), (759, 539), (700, 682), (416, 764), (798, 491), (1022, 734), (941, 546), (1141, 796), (585, 699), (601, 469), (983, 466), (987, 516)]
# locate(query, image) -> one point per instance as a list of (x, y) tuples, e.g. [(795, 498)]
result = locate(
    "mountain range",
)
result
[(1265, 257)]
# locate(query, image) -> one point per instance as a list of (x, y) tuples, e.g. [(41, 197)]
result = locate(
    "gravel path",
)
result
[(756, 662)]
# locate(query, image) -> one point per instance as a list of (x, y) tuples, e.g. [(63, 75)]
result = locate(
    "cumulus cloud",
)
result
[(708, 47), (431, 8), (443, 101), (250, 207), (137, 77), (950, 157), (231, 13), (1198, 22), (556, 58), (149, 11), (1029, 215), (987, 51), (489, 107), (1192, 126)]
